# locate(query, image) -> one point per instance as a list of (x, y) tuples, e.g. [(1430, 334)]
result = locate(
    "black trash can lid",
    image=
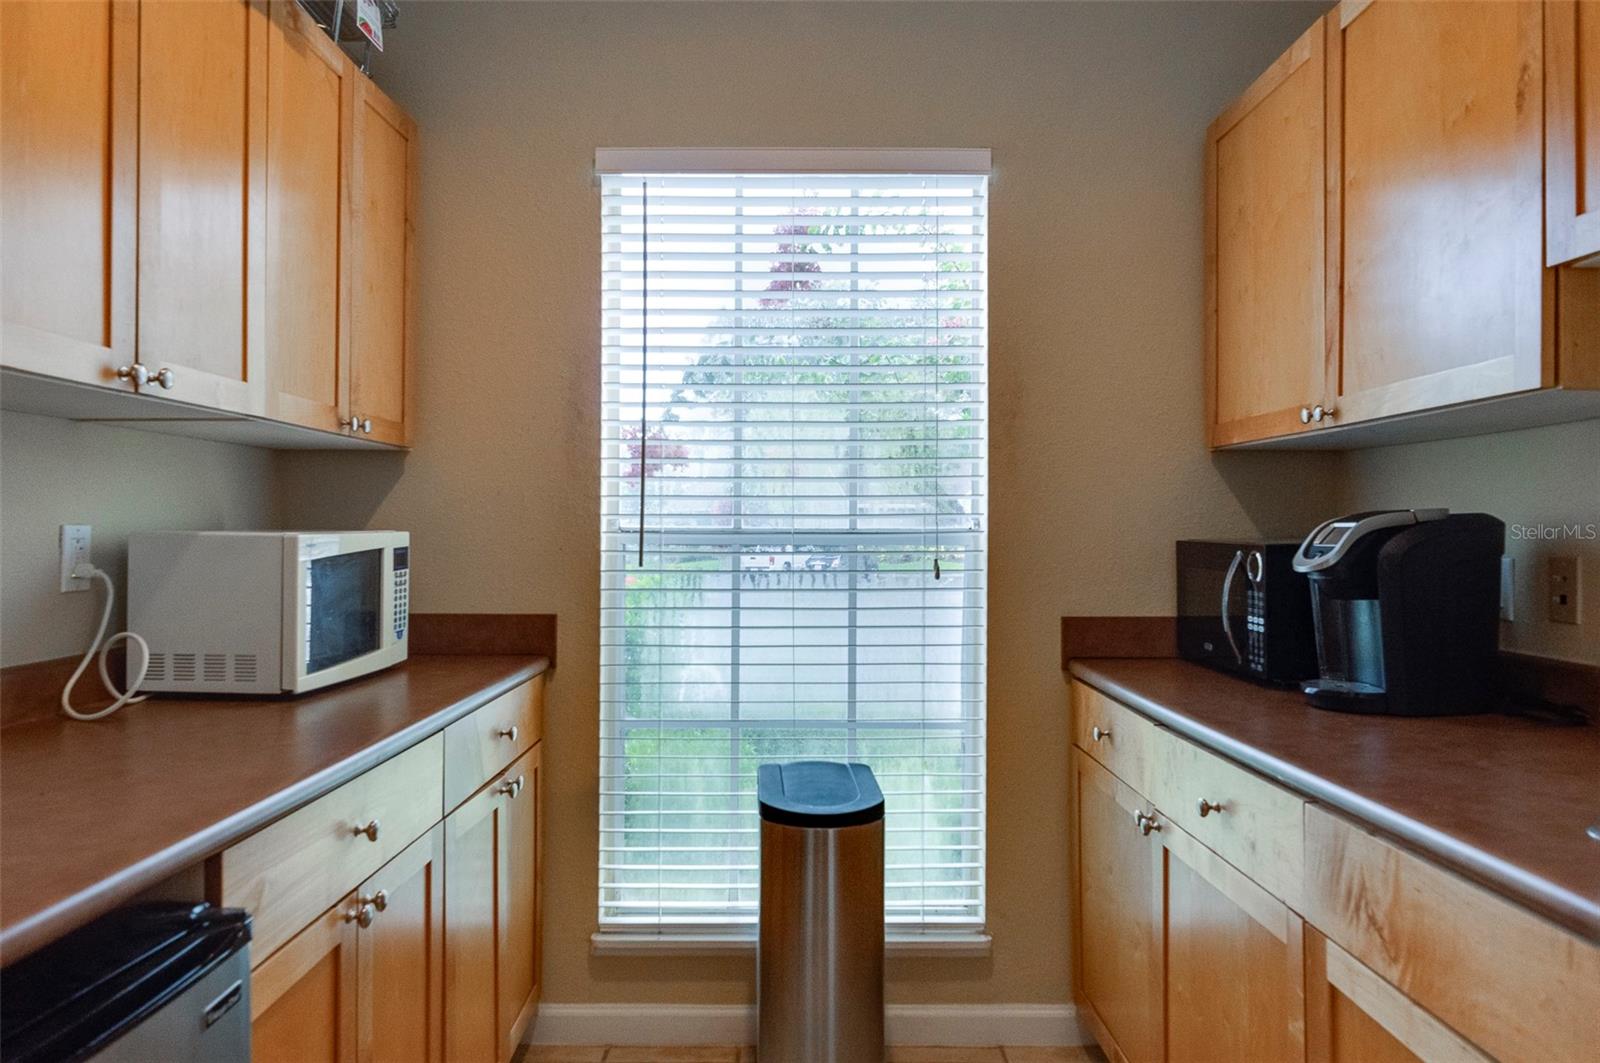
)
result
[(818, 793)]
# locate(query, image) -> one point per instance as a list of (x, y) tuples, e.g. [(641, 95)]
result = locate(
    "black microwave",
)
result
[(1244, 609)]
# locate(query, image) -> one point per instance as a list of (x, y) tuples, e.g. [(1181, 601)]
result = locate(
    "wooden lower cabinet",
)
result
[(1354, 1016), (492, 915), (1233, 961), (1119, 944), (364, 983), (1181, 956)]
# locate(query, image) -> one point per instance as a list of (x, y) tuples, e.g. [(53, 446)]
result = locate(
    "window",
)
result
[(793, 524)]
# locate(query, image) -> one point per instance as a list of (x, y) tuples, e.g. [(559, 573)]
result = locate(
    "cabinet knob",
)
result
[(1148, 824), (1305, 415), (165, 377), (1320, 413), (1099, 733), (361, 915), (379, 900), (512, 787), (1208, 807), (508, 732), (366, 426), (370, 830)]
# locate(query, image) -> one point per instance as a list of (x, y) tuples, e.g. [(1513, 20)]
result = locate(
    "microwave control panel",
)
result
[(402, 593), (1255, 625)]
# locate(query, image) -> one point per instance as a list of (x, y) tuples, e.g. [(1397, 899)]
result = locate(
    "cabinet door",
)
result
[(1119, 962), (202, 132), (1354, 1016), (1572, 131), (303, 997), (68, 128), (1435, 119), (519, 902), (400, 1009), (310, 93), (473, 917), (1265, 251), (383, 273), (1233, 961)]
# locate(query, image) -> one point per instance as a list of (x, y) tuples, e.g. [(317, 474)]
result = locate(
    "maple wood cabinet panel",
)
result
[(310, 96), (383, 271), (492, 912), (400, 995), (1572, 131), (1119, 974), (303, 998), (68, 144), (1436, 112), (1265, 249), (201, 247), (1233, 961)]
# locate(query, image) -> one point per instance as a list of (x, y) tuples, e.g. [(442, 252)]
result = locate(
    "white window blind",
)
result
[(800, 431)]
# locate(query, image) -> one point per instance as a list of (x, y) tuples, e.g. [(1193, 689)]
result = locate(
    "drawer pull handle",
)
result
[(508, 732), (1099, 733), (379, 900), (370, 830), (1146, 823), (1208, 807), (512, 787), (361, 915)]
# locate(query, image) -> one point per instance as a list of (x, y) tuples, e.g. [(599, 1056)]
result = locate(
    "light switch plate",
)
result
[(1564, 586), (74, 549)]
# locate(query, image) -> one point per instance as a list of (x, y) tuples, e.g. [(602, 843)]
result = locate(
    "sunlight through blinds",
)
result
[(804, 424)]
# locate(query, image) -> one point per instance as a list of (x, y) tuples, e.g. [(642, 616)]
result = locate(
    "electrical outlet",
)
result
[(1508, 588), (74, 550), (1565, 589)]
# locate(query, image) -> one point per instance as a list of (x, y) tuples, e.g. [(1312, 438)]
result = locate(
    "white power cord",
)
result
[(87, 571)]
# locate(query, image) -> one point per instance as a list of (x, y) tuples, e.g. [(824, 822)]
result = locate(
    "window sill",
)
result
[(709, 943)]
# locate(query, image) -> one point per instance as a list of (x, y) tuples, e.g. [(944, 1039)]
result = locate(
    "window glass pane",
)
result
[(795, 414)]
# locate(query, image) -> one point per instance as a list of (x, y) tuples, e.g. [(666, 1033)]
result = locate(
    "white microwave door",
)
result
[(344, 611)]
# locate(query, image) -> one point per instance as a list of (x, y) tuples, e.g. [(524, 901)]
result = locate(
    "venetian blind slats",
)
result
[(799, 430)]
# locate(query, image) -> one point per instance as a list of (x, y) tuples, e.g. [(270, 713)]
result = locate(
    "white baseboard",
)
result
[(734, 1024)]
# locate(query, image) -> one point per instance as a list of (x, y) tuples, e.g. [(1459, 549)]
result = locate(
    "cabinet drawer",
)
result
[(479, 745), (1113, 734), (1519, 987), (291, 872), (1255, 825)]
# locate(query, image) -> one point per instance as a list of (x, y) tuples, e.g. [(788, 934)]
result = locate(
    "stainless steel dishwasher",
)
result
[(163, 981)]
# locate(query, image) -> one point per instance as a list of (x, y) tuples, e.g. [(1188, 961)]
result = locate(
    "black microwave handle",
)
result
[(1227, 598)]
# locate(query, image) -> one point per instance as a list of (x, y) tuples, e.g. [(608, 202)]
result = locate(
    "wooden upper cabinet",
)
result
[(1265, 241), (1119, 963), (310, 96), (1572, 131), (202, 132), (1435, 142), (68, 138), (383, 267)]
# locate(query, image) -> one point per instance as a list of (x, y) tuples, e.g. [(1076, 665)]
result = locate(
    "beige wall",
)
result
[(1095, 114), (55, 472), (1543, 482)]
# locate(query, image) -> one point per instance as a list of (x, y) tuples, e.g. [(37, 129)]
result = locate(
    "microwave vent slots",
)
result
[(214, 667), (244, 668), (183, 667), (157, 669)]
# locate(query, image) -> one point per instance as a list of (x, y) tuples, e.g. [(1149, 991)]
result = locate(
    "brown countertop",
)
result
[(1503, 800), (93, 813)]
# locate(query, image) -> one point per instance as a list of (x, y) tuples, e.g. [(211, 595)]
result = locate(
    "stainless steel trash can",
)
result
[(819, 968)]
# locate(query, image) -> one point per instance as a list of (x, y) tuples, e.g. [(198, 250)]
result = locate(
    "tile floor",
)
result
[(736, 1054)]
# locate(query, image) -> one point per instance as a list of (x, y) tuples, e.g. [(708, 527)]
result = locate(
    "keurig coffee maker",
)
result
[(1406, 605)]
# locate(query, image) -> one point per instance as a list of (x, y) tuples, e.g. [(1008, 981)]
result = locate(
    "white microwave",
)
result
[(267, 612)]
